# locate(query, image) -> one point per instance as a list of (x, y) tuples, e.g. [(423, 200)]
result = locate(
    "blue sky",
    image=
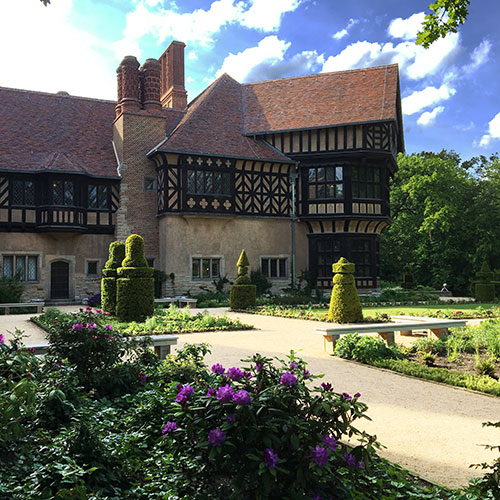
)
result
[(451, 92)]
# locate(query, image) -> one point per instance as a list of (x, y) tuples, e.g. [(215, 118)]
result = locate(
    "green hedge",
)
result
[(108, 294), (242, 296), (345, 306), (135, 272), (134, 252), (484, 292), (468, 380), (135, 298)]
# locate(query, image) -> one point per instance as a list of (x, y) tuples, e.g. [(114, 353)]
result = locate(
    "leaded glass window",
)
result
[(326, 182), (208, 182), (205, 268), (274, 267), (366, 182), (23, 192), (63, 193), (97, 196), (361, 256), (23, 267)]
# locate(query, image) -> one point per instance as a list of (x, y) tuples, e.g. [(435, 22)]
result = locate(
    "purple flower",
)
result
[(169, 427), (2, 338), (346, 396), (360, 464), (184, 394), (242, 397), (319, 456), (293, 365), (77, 326), (307, 374), (330, 442), (288, 379), (247, 375), (317, 497), (109, 327), (327, 387), (91, 326), (216, 437), (235, 373), (270, 458), (143, 377), (349, 459), (230, 418), (258, 366), (357, 395), (218, 369), (210, 392), (224, 394)]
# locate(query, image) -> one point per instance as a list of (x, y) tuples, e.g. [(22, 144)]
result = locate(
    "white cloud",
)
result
[(493, 132), (344, 32), (415, 61), (201, 25), (429, 117), (421, 99), (51, 54), (189, 79), (265, 15), (192, 56), (478, 57), (267, 61), (406, 29)]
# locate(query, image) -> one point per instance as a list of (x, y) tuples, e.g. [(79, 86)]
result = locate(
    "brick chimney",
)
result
[(150, 85), (173, 92), (129, 87)]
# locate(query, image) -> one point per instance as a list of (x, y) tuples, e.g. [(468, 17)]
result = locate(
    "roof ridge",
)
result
[(52, 94), (326, 73)]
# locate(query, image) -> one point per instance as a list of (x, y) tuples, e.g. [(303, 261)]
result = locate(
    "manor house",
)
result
[(250, 166)]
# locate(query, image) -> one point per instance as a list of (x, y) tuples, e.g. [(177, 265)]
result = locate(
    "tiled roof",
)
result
[(214, 124), (355, 96), (223, 118), (55, 132)]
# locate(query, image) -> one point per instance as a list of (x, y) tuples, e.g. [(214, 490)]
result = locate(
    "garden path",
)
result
[(431, 429)]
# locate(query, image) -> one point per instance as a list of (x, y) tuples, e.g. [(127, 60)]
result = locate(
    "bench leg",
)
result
[(6, 310), (162, 351), (329, 343), (437, 333), (39, 309), (388, 337)]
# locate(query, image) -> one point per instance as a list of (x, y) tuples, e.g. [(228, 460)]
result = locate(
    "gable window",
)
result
[(205, 267), (366, 182), (63, 193), (23, 267), (326, 182), (97, 196), (23, 192), (274, 267), (208, 182)]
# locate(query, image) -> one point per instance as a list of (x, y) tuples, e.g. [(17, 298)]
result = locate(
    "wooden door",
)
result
[(59, 280)]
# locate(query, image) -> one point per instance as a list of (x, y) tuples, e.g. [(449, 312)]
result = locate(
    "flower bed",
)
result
[(164, 321)]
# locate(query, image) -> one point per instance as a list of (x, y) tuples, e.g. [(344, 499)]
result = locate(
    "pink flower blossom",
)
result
[(78, 327)]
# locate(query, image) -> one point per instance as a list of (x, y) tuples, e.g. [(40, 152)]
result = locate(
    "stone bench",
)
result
[(180, 301), (7, 307), (405, 325), (160, 343)]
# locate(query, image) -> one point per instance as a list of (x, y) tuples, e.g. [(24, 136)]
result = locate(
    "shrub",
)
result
[(262, 284), (427, 358), (10, 290), (484, 289), (363, 348), (345, 306), (428, 345), (242, 295), (108, 281), (485, 367), (408, 282), (261, 432), (135, 284)]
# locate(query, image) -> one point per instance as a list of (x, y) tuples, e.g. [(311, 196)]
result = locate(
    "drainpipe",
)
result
[(293, 179)]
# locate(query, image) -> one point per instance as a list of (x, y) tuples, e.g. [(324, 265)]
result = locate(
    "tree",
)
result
[(445, 17)]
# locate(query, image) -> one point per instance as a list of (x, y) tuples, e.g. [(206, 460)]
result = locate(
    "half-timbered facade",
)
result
[(199, 181)]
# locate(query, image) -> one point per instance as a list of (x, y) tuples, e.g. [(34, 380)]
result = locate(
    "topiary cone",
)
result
[(243, 294), (345, 306)]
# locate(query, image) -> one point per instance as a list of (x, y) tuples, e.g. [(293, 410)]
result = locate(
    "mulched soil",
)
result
[(465, 364)]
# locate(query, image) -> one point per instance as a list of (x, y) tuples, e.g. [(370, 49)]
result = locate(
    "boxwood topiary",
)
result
[(345, 306), (242, 295), (135, 284), (484, 288), (108, 282)]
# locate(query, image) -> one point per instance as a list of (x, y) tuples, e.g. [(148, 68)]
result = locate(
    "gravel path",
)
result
[(431, 429)]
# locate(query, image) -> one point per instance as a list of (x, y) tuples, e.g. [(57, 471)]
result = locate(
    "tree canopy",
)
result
[(445, 17), (446, 219)]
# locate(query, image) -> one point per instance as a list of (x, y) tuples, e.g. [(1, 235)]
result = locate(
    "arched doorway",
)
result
[(59, 280)]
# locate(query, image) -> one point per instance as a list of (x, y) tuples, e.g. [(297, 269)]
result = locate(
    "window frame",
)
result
[(87, 262), (24, 259), (358, 184), (317, 186), (24, 193), (219, 259), (269, 266), (202, 175), (149, 184), (99, 197)]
